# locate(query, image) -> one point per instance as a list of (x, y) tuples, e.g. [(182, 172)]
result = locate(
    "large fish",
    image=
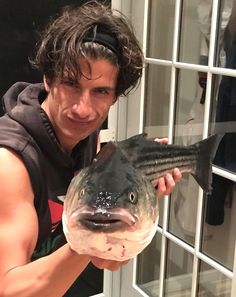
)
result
[(111, 208)]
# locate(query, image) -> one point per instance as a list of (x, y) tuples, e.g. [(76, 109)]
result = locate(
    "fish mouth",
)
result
[(107, 220)]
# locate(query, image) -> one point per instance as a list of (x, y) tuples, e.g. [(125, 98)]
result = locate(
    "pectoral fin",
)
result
[(61, 198)]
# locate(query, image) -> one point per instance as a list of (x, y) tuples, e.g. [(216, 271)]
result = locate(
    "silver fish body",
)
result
[(111, 209), (155, 160)]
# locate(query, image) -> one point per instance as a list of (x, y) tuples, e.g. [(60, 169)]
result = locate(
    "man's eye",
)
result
[(102, 91)]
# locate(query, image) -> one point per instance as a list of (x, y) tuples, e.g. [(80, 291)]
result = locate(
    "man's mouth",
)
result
[(79, 121)]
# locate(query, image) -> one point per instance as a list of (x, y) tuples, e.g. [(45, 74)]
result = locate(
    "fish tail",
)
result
[(207, 149)]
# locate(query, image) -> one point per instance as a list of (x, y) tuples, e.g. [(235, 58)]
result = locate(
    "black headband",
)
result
[(102, 36)]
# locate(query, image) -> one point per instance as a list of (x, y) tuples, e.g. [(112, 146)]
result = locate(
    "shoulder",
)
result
[(15, 187), (13, 173), (9, 157)]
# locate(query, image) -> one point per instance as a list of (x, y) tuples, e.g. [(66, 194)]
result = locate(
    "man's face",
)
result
[(76, 109)]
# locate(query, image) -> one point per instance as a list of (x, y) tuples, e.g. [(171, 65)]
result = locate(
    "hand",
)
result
[(107, 264), (166, 184)]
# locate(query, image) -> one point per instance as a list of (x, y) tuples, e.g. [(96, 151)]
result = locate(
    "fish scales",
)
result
[(155, 151), (158, 165), (111, 209), (161, 158), (139, 150), (153, 176), (159, 171)]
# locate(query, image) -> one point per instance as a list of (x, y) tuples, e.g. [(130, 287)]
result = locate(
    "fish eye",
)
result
[(82, 192), (132, 197)]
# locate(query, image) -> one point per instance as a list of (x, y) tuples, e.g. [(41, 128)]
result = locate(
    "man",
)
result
[(88, 57)]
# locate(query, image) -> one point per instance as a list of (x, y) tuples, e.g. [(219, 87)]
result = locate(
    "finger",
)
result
[(176, 175), (116, 265), (161, 187), (163, 140), (170, 183), (166, 185), (108, 264), (97, 262)]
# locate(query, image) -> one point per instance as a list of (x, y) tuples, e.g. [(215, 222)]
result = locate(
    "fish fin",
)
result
[(138, 136), (61, 198), (135, 138), (133, 141), (207, 150)]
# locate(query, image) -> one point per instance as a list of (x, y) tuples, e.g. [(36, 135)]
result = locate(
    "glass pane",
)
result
[(224, 94), (157, 100), (196, 28), (160, 42), (137, 8), (224, 120), (195, 31), (225, 35), (178, 271), (212, 283), (190, 99), (183, 209), (148, 268), (220, 221), (225, 43)]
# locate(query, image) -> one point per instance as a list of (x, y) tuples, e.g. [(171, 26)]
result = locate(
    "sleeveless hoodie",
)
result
[(26, 129)]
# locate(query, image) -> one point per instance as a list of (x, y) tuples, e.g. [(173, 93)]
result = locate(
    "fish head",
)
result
[(110, 209)]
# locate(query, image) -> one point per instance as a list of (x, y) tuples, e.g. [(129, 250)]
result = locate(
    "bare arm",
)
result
[(48, 276)]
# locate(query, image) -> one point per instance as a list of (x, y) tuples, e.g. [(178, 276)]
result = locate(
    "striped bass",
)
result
[(111, 208)]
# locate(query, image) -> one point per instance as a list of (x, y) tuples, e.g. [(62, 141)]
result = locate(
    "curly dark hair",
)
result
[(63, 42)]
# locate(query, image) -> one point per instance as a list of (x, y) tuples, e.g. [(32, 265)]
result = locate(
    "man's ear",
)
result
[(46, 85)]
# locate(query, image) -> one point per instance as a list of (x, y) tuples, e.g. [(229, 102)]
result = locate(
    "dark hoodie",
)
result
[(26, 129)]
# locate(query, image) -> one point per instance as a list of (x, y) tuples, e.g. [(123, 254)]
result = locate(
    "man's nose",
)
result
[(84, 108)]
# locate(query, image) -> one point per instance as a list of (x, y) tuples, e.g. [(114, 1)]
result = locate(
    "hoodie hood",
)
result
[(22, 104)]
